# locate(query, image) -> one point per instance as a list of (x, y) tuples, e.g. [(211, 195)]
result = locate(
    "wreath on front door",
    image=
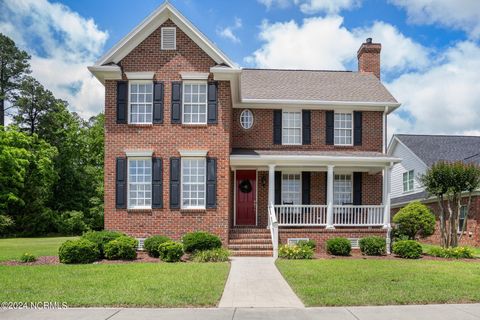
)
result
[(245, 186)]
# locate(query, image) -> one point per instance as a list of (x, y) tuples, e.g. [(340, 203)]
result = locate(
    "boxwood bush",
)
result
[(408, 249), (101, 238), (170, 251), (373, 246), (213, 255), (295, 252), (339, 246), (151, 244), (122, 248), (199, 241), (78, 251), (456, 253)]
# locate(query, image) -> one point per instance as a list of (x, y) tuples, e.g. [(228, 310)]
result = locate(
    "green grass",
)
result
[(12, 249), (342, 282), (426, 247), (134, 284)]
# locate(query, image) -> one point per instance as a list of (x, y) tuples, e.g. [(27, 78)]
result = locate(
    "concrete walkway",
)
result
[(256, 282), (428, 312)]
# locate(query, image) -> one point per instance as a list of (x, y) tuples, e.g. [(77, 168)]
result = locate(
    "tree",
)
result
[(414, 220), (449, 182), (14, 65)]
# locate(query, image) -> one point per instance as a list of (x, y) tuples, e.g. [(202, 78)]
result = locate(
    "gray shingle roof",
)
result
[(342, 86), (434, 148), (409, 198)]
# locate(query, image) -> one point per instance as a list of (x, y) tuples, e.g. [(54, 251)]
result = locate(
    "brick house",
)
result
[(420, 152), (258, 157)]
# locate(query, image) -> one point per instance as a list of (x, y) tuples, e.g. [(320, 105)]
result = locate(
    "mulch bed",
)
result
[(356, 254)]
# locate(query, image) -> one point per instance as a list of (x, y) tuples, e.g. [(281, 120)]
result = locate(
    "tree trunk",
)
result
[(442, 214), (2, 112), (464, 226)]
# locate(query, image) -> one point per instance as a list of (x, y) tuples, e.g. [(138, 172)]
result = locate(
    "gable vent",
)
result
[(169, 38)]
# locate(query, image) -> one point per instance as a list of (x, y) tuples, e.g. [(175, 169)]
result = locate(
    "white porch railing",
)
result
[(273, 226), (316, 215)]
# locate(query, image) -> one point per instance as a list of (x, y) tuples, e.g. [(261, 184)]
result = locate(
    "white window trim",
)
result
[(408, 180), (129, 207), (148, 75), (301, 127), (183, 102), (351, 179), (139, 153), (201, 76), (281, 184), (193, 153), (253, 119), (129, 102), (182, 207), (174, 38), (352, 129)]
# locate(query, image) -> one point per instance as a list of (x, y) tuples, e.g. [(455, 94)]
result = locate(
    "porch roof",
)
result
[(251, 157)]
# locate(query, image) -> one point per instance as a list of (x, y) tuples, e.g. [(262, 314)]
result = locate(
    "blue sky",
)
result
[(430, 54)]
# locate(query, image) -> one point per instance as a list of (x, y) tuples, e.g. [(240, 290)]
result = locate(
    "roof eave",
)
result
[(103, 73), (391, 105)]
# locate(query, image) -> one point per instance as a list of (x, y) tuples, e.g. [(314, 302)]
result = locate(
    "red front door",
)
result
[(246, 184)]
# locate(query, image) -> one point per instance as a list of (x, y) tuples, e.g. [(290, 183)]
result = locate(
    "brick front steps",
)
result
[(253, 242)]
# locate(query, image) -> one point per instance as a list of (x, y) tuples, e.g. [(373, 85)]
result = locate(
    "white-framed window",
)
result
[(139, 183), (291, 127), (408, 180), (140, 101), (342, 189), (343, 128), (195, 102), (291, 188), (463, 218), (169, 38), (246, 119), (193, 183)]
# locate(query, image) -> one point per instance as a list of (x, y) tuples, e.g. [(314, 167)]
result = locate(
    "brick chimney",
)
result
[(369, 57)]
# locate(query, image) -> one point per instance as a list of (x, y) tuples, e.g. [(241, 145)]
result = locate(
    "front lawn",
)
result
[(131, 284), (426, 247), (349, 282), (12, 249)]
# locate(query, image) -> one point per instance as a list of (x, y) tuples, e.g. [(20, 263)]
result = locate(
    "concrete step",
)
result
[(250, 241), (252, 253), (250, 246), (250, 230)]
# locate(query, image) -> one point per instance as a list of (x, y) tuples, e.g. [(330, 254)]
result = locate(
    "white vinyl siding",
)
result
[(291, 188), (194, 102), (343, 129), (342, 189), (141, 102), (193, 183), (139, 183), (291, 127), (408, 180), (169, 41)]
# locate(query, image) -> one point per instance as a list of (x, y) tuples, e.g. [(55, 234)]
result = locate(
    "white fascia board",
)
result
[(390, 105), (194, 75), (193, 153), (138, 153), (140, 75), (103, 73)]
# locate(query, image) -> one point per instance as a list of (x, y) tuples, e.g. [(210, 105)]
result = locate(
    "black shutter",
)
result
[(330, 127), (278, 187), (122, 101), (306, 187), (211, 183), (357, 188), (306, 127), (176, 102), (121, 183), (357, 128), (157, 183), (212, 102), (158, 102), (277, 126), (175, 183)]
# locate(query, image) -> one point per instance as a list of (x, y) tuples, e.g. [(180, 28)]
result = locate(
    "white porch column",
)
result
[(386, 196), (271, 184), (330, 197)]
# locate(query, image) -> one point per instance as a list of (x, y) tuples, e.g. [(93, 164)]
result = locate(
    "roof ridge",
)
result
[(435, 135), (310, 70)]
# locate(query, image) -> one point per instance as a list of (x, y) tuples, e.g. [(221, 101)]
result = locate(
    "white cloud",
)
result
[(275, 3), (62, 43), (444, 98), (459, 14), (324, 43), (228, 32), (328, 6)]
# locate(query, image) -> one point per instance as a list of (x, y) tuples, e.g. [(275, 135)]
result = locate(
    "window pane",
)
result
[(193, 183), (291, 189), (139, 182), (291, 128), (343, 131), (141, 102), (342, 189), (195, 103)]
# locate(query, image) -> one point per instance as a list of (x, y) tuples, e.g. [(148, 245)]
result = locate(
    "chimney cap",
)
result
[(369, 40)]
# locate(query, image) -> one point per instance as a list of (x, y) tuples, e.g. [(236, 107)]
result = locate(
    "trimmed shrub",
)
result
[(213, 255), (101, 238), (373, 246), (151, 245), (456, 253), (170, 251), (414, 220), (408, 249), (200, 241), (309, 243), (339, 246), (295, 252), (122, 248), (78, 251), (72, 223), (27, 257)]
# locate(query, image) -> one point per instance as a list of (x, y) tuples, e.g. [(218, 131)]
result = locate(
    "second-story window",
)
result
[(141, 102), (194, 102), (343, 126), (408, 179), (291, 127)]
